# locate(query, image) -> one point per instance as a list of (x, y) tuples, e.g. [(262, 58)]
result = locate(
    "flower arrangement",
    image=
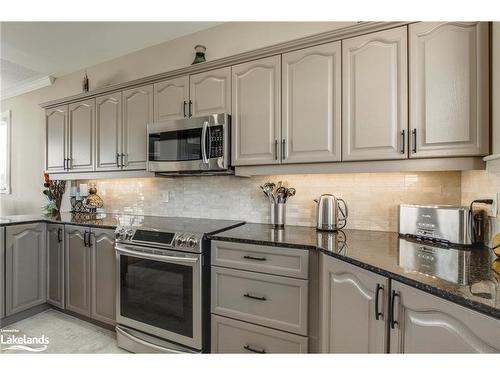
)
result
[(54, 191)]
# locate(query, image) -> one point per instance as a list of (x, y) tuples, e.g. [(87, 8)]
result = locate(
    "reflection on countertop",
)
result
[(462, 276)]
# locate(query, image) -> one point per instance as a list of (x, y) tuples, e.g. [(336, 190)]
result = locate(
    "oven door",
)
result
[(189, 145), (160, 294)]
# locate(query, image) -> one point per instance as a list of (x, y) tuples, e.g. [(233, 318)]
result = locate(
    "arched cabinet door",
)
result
[(256, 109), (56, 127), (374, 87), (429, 324), (81, 135), (137, 114), (449, 114), (350, 320), (210, 92), (311, 104), (108, 132), (171, 98)]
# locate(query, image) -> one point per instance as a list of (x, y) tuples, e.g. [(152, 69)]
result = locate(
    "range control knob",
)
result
[(192, 241), (180, 241)]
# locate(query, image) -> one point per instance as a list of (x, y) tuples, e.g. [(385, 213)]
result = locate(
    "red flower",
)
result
[(46, 177)]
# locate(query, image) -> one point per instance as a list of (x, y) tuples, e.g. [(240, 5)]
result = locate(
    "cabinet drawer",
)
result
[(273, 301), (233, 336), (266, 259)]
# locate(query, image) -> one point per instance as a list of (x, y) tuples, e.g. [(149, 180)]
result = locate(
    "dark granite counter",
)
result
[(111, 221), (475, 285)]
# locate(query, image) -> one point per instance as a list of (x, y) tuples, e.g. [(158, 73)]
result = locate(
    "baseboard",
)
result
[(11, 319)]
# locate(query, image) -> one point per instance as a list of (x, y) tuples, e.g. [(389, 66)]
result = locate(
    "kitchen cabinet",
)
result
[(55, 265), (2, 276), (210, 92), (256, 109), (374, 89), (103, 270), (449, 113), (171, 98), (353, 311), (311, 104), (77, 269), (81, 119), (25, 267), (424, 323), (56, 127), (108, 132), (137, 113)]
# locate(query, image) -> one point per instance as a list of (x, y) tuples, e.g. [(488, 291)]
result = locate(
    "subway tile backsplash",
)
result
[(372, 199)]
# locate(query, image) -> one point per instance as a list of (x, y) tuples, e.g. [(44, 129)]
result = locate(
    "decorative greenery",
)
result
[(54, 191)]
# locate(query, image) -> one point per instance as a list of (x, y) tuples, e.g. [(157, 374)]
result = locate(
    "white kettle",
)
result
[(331, 213)]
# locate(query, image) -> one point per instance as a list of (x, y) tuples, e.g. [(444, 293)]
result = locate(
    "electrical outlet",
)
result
[(165, 196)]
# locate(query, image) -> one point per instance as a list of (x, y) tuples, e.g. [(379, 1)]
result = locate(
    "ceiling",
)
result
[(32, 50)]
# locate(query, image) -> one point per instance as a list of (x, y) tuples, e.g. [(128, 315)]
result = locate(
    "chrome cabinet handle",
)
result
[(414, 136), (64, 164), (70, 163), (283, 149), (254, 350), (275, 149), (393, 321), (378, 315), (248, 295), (184, 108), (403, 141)]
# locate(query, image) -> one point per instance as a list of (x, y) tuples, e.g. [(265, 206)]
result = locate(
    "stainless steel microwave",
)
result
[(198, 145)]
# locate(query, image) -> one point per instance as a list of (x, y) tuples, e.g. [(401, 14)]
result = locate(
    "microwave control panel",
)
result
[(216, 142)]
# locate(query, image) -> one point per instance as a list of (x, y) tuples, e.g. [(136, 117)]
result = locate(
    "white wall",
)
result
[(28, 128)]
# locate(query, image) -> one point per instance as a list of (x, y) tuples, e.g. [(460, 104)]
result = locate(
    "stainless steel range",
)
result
[(163, 285)]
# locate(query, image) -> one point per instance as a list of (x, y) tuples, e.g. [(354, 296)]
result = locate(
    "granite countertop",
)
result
[(477, 288)]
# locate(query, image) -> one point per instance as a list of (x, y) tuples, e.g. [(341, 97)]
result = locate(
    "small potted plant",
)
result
[(54, 191)]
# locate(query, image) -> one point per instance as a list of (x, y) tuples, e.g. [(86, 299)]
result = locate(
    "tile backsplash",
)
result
[(372, 198)]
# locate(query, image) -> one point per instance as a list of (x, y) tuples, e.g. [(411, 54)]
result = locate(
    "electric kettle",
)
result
[(331, 213)]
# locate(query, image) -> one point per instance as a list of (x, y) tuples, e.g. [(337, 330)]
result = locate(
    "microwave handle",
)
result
[(204, 152)]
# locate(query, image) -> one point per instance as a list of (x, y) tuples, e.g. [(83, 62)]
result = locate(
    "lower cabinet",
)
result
[(55, 265), (90, 272), (2, 274), (352, 314), (360, 314), (25, 267), (234, 336), (423, 323)]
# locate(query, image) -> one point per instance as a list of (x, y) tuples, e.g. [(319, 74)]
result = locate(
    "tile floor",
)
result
[(66, 334)]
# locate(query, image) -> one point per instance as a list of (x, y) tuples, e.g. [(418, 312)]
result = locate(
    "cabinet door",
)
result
[(137, 114), (103, 260), (348, 312), (428, 324), (77, 270), (171, 99), (55, 265), (55, 147), (256, 108), (449, 89), (2, 267), (312, 104), (81, 135), (210, 92), (25, 267), (374, 87), (108, 132)]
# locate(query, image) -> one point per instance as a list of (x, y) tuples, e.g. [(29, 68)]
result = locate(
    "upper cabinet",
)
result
[(256, 121), (311, 104), (137, 114), (108, 131), (449, 89), (375, 106), (210, 92), (171, 99), (81, 135), (56, 121)]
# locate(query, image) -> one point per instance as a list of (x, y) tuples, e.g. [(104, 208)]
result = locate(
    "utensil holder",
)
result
[(278, 213)]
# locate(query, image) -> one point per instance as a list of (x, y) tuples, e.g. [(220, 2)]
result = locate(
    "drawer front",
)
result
[(272, 301), (233, 336), (266, 259)]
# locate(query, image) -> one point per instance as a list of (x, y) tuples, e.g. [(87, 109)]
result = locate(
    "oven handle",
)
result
[(161, 258), (145, 343), (204, 142)]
